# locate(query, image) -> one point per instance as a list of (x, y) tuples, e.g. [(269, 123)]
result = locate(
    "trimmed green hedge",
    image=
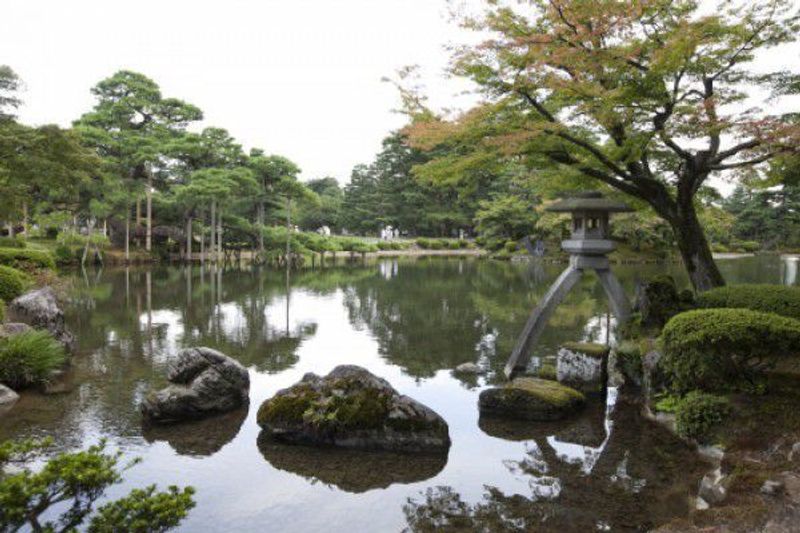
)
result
[(698, 415), (13, 242), (12, 283), (778, 299), (724, 349), (26, 259)]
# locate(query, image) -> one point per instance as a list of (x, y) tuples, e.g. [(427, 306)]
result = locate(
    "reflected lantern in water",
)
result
[(588, 245)]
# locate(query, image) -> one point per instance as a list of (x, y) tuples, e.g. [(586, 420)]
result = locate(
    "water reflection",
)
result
[(198, 437), (586, 474), (410, 321), (350, 470)]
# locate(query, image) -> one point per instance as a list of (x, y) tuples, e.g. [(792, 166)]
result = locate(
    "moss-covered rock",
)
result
[(531, 399), (352, 408)]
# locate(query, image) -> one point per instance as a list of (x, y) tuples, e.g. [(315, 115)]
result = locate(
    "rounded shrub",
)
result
[(699, 414), (510, 246), (29, 358), (724, 349), (12, 283), (779, 299)]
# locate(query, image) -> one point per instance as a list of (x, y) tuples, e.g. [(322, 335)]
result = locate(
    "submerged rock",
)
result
[(468, 368), (352, 408), (204, 382), (40, 309), (13, 328), (583, 366), (531, 399)]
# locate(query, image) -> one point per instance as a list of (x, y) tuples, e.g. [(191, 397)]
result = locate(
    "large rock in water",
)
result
[(7, 396), (204, 382), (352, 408), (531, 399), (40, 309)]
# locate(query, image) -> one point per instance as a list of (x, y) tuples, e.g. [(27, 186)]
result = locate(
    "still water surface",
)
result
[(409, 321)]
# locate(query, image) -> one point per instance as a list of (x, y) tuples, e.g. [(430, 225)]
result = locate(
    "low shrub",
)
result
[(748, 246), (778, 299), (12, 283), (29, 358), (699, 414), (454, 245), (13, 242), (510, 246), (391, 245), (26, 259), (64, 255), (724, 349), (463, 243), (423, 243), (720, 248)]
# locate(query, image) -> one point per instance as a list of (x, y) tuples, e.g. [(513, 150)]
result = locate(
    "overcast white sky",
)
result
[(300, 78)]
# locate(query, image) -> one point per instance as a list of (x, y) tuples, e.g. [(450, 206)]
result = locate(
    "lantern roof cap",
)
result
[(588, 201)]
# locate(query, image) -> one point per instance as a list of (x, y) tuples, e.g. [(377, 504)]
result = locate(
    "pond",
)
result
[(408, 320)]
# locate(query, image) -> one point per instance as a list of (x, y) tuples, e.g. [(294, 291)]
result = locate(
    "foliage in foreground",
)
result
[(778, 299), (12, 283), (698, 414), (29, 358), (78, 480), (724, 349)]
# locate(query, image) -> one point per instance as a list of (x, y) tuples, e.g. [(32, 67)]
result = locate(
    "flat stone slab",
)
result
[(352, 408), (528, 398)]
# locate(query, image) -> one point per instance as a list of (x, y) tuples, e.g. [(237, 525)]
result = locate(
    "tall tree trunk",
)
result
[(127, 234), (219, 233), (212, 242), (261, 226), (25, 219), (202, 242), (148, 239), (189, 239), (288, 228), (695, 251)]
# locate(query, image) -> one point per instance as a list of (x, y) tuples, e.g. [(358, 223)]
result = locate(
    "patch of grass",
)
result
[(29, 358)]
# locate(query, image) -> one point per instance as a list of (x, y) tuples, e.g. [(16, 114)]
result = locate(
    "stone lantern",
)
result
[(588, 245)]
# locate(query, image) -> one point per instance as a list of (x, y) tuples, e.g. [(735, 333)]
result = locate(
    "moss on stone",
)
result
[(548, 371), (588, 348), (288, 407), (548, 391)]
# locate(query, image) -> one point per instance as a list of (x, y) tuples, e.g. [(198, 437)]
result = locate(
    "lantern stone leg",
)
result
[(538, 319), (620, 306)]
